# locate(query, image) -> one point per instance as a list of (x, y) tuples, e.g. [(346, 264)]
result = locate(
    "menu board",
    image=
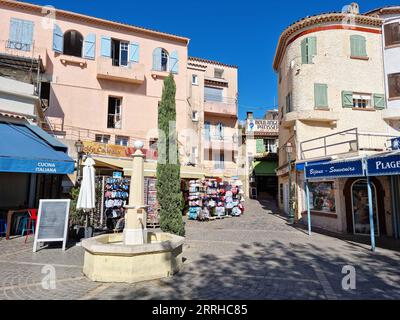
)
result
[(52, 224)]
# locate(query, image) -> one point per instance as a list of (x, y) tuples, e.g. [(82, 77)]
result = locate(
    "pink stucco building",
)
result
[(101, 82)]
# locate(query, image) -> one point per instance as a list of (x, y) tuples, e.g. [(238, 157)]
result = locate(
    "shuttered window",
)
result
[(347, 99), (213, 94), (358, 46), (379, 101), (89, 47), (174, 62), (21, 35), (392, 34), (308, 49), (106, 46), (288, 103), (134, 52), (394, 85), (320, 95), (58, 39)]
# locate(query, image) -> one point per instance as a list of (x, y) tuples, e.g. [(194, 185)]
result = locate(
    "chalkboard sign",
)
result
[(52, 224)]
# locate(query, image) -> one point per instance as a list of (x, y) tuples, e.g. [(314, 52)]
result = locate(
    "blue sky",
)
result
[(244, 33)]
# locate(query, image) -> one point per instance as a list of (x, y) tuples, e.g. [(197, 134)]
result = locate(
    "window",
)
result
[(120, 53), (394, 85), (289, 103), (218, 73), (392, 34), (219, 131), (219, 161), (362, 101), (320, 95), (322, 197), (195, 79), (160, 59), (73, 43), (114, 120), (270, 145), (207, 135), (21, 35), (195, 116), (308, 50), (101, 138), (358, 46), (213, 94), (122, 141)]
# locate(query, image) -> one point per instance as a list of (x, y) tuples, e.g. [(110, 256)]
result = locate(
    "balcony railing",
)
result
[(220, 105), (347, 141)]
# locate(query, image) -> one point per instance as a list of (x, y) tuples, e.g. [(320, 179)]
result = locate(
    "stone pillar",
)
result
[(135, 231)]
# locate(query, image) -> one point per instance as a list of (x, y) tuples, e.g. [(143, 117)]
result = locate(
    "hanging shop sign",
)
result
[(335, 170), (382, 166), (396, 143), (262, 127), (52, 224)]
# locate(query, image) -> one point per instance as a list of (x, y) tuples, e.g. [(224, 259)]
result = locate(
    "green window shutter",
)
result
[(379, 101), (304, 56), (358, 46), (260, 147), (312, 48), (347, 99), (321, 95)]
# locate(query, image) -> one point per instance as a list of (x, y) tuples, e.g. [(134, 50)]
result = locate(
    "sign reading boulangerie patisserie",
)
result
[(262, 127)]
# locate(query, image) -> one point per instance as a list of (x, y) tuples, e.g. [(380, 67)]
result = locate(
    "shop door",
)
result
[(360, 208)]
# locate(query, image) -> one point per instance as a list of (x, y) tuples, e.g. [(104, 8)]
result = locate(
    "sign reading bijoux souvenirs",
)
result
[(262, 127), (52, 224), (382, 166), (335, 170)]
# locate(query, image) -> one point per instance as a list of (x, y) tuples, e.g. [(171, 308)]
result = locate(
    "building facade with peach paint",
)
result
[(332, 106), (102, 81)]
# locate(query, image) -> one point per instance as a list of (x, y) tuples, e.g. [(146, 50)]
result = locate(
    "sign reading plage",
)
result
[(52, 223), (335, 170), (383, 166)]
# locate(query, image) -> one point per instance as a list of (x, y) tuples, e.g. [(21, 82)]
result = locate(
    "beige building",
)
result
[(101, 83), (332, 106)]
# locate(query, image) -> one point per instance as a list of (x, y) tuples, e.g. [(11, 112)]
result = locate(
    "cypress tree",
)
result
[(169, 193)]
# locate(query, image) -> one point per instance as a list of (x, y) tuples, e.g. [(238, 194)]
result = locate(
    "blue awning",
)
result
[(24, 150), (388, 165), (335, 169)]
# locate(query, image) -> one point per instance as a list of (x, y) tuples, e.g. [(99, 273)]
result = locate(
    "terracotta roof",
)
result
[(90, 19), (317, 20), (213, 62), (15, 115), (386, 10)]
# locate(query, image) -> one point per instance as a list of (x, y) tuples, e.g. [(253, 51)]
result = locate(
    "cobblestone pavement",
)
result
[(256, 256)]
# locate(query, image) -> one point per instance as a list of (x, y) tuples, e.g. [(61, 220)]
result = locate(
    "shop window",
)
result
[(322, 197), (101, 138), (114, 120), (73, 43), (360, 208), (394, 85), (122, 141), (392, 34)]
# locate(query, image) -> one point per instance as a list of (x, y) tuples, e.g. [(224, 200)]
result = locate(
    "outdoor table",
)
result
[(9, 220)]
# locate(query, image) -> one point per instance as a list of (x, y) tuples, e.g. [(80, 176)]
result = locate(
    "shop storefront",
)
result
[(32, 166), (354, 196)]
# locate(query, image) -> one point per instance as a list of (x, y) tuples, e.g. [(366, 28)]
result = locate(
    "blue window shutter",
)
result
[(58, 39), (21, 34), (14, 30), (157, 59), (174, 62), (89, 47), (134, 52), (106, 47)]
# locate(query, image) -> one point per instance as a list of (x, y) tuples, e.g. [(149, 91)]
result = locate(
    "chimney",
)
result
[(250, 116)]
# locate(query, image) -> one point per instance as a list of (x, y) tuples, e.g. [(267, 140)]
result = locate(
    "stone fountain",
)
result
[(137, 254)]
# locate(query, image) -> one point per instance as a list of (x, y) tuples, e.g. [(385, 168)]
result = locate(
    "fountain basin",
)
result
[(107, 259)]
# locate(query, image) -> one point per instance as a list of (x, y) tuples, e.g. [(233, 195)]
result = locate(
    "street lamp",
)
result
[(289, 150), (79, 150)]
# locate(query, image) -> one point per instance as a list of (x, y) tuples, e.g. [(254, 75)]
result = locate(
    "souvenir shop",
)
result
[(213, 198)]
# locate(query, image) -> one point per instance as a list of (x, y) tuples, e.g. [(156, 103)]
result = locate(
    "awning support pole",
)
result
[(371, 214), (395, 204), (308, 204)]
